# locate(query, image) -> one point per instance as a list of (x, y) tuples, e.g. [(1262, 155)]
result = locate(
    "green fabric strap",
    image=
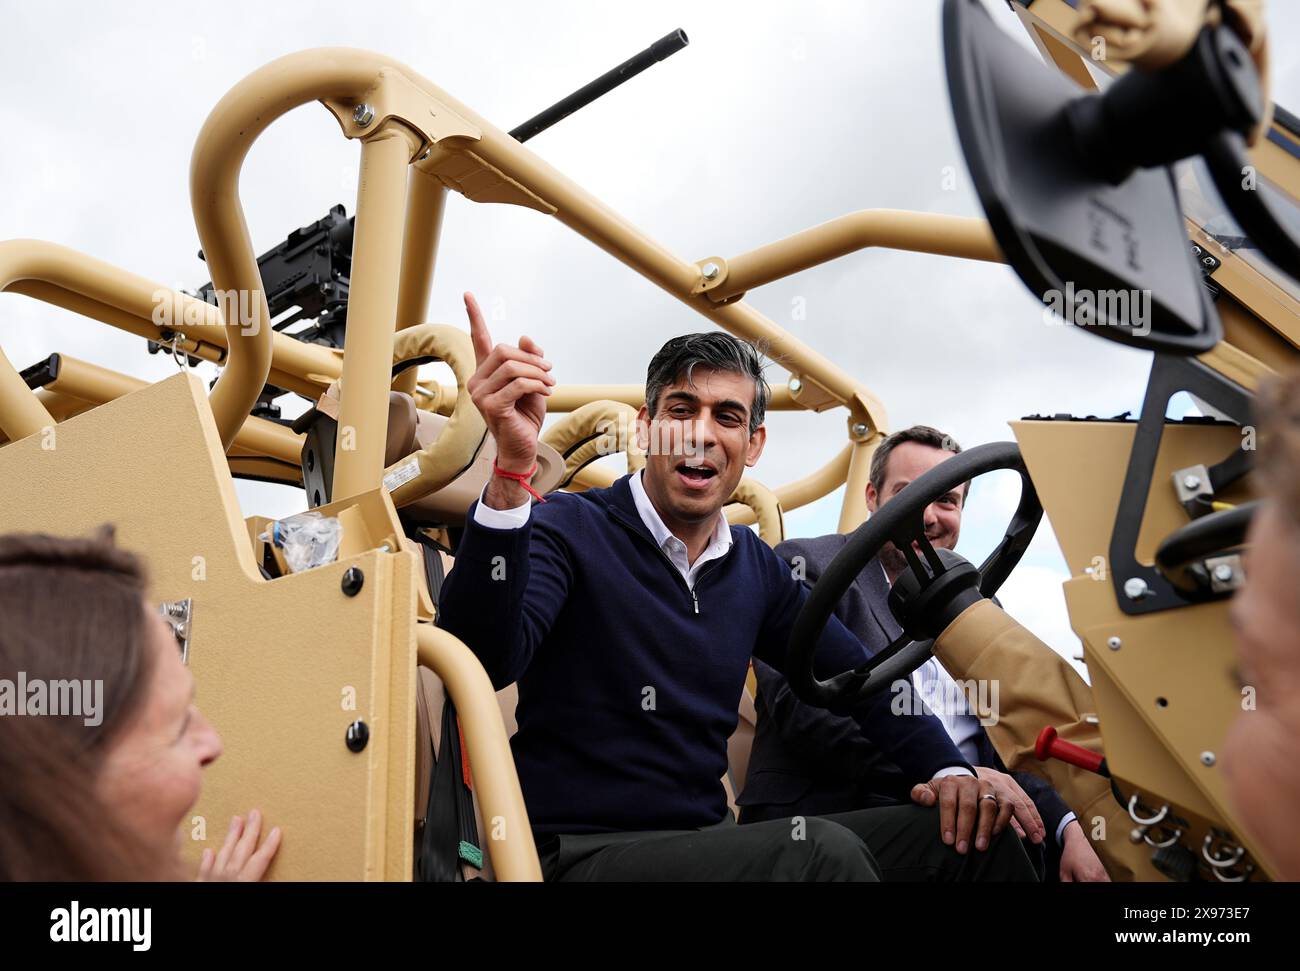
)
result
[(471, 854)]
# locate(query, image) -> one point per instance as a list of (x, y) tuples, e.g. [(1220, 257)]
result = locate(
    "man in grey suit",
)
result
[(807, 761)]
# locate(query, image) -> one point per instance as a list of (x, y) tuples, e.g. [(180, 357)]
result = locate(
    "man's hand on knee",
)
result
[(965, 804), (1013, 803)]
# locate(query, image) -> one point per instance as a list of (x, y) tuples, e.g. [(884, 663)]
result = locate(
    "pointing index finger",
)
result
[(478, 331)]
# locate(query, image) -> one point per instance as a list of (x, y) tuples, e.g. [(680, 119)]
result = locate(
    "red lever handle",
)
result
[(1049, 746)]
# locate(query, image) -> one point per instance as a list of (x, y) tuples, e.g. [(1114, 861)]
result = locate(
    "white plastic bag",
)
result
[(308, 539)]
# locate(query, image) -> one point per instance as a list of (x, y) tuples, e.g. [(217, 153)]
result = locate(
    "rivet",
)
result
[(353, 580), (1135, 588), (1207, 758), (1113, 643)]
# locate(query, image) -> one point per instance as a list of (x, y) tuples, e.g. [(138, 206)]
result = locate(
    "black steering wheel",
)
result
[(935, 576)]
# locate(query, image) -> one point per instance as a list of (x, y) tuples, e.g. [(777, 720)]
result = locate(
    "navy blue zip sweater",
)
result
[(628, 684)]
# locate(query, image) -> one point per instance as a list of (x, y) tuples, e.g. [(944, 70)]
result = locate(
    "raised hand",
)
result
[(509, 388)]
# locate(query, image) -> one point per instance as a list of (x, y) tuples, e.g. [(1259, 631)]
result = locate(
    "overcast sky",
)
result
[(777, 116)]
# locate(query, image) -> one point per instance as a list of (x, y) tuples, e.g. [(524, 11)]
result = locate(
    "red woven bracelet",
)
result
[(519, 477)]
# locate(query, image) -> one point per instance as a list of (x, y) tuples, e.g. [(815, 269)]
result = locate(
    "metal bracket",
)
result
[(1225, 573), (713, 274), (178, 614), (1192, 485), (1141, 589), (395, 97)]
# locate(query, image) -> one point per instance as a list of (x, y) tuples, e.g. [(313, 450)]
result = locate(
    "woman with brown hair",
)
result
[(101, 746)]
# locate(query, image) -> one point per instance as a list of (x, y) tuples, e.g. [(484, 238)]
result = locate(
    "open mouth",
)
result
[(696, 476)]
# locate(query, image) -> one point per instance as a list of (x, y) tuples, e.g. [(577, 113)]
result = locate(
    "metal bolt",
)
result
[(353, 579), (363, 115), (795, 385), (1207, 758), (1114, 643), (710, 271), (357, 735), (1191, 482), (1135, 588), (1223, 573), (385, 548), (859, 428)]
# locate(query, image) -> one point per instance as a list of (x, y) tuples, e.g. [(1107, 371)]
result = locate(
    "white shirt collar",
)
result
[(719, 543)]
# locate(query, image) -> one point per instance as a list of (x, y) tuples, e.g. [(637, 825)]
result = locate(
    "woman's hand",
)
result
[(241, 859)]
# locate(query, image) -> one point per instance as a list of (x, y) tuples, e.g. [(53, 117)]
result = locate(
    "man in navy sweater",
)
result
[(628, 616)]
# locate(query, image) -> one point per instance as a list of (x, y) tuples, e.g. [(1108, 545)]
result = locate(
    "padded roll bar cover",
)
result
[(453, 450), (766, 506), (449, 504), (1038, 687), (592, 431)]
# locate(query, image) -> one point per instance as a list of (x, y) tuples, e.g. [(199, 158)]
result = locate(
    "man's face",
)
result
[(1260, 763), (698, 444), (907, 463)]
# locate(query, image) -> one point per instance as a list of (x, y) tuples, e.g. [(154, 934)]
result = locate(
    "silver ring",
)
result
[(989, 795), (1221, 862), (1153, 820)]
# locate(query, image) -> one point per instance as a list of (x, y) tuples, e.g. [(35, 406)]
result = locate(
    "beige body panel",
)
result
[(1165, 697), (271, 661)]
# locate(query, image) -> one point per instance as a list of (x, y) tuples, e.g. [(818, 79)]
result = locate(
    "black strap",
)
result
[(449, 810)]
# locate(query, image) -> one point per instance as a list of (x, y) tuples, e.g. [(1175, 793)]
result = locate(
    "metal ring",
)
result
[(989, 795), (1220, 863), (1153, 821), (1146, 837), (178, 355), (1242, 877)]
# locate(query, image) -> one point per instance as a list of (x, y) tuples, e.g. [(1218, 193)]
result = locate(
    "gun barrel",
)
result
[(664, 47)]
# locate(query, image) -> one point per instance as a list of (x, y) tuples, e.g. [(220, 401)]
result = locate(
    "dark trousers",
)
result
[(895, 843)]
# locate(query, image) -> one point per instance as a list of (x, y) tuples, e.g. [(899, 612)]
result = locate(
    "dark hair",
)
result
[(1279, 442), (71, 609), (922, 435), (715, 350)]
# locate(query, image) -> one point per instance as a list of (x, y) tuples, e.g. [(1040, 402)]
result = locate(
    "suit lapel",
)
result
[(875, 587)]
